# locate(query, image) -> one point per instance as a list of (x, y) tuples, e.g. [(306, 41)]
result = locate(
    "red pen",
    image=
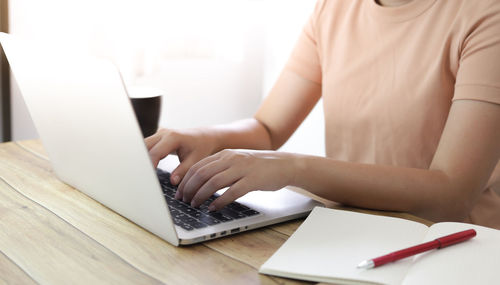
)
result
[(403, 253)]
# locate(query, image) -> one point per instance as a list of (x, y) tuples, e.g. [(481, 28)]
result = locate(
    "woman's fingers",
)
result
[(214, 173), (180, 171), (193, 148), (161, 149), (161, 144), (238, 189), (196, 175), (226, 177), (241, 171), (152, 140)]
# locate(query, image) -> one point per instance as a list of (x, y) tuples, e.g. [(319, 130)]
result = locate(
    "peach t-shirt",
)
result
[(390, 74)]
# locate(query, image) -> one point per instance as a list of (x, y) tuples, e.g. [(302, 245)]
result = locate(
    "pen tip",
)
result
[(366, 264)]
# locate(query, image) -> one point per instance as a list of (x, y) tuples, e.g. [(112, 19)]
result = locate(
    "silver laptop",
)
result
[(81, 110)]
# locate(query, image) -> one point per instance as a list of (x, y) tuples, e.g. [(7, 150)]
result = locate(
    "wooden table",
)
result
[(51, 233)]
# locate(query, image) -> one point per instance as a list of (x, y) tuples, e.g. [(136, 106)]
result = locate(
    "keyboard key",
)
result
[(190, 218), (219, 216), (186, 226), (180, 206), (237, 207), (209, 220), (198, 225), (170, 194), (169, 200), (250, 212), (230, 213), (204, 209), (197, 214)]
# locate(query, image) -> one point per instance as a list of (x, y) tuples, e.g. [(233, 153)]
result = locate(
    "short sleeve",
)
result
[(304, 59), (478, 76)]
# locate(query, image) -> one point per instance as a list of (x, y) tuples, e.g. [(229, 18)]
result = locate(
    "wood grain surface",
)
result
[(50, 233)]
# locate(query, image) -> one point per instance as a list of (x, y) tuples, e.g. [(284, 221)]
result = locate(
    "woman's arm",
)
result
[(288, 103), (467, 153)]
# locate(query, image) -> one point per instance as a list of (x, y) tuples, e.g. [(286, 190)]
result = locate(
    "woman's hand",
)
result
[(240, 170), (190, 145)]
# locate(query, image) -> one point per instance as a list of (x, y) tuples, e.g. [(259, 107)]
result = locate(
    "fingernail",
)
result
[(175, 179), (178, 195), (211, 208)]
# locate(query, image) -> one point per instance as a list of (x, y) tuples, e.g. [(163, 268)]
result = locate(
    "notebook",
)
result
[(81, 110), (330, 244)]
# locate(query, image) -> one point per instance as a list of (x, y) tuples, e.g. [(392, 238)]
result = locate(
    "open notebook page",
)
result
[(329, 245), (476, 261)]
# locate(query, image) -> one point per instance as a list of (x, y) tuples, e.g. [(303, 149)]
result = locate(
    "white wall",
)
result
[(214, 60)]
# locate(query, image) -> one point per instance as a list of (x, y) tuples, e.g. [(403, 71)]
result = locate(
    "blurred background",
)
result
[(215, 60)]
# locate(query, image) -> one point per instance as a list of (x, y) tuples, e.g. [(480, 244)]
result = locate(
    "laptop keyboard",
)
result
[(190, 218)]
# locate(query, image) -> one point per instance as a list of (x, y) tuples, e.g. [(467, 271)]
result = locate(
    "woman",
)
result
[(411, 98)]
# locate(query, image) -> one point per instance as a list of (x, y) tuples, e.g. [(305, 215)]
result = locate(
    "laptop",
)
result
[(82, 112)]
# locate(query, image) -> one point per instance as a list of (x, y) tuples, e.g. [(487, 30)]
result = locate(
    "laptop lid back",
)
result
[(83, 115)]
